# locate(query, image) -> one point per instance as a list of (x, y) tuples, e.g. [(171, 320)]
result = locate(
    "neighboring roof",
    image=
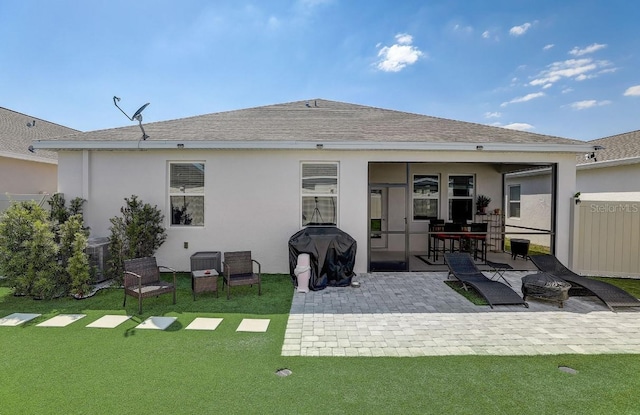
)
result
[(16, 136), (306, 124), (617, 149)]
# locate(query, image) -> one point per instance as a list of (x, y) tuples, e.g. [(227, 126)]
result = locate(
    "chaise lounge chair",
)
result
[(611, 295), (462, 267)]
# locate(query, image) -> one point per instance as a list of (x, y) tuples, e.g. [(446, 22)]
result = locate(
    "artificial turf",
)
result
[(79, 370)]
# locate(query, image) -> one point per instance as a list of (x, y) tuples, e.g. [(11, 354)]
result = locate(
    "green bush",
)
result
[(137, 233), (73, 244), (78, 268), (36, 248), (28, 252)]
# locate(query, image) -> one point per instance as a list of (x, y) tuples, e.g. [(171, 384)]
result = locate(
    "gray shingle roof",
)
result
[(616, 147), (318, 120), (16, 136)]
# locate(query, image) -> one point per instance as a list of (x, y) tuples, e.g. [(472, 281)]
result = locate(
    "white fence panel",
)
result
[(607, 238)]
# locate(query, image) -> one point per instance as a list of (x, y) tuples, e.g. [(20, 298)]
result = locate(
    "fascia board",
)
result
[(28, 158), (306, 145), (609, 163)]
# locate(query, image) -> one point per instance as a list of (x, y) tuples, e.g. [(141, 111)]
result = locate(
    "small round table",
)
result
[(204, 281)]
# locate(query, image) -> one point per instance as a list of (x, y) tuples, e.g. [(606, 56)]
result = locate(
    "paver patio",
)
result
[(417, 314)]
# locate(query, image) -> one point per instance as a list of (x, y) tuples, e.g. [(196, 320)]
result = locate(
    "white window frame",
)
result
[(185, 193), (511, 202), (304, 195), (421, 196)]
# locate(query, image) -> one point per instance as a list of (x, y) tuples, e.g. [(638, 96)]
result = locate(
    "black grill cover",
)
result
[(332, 253)]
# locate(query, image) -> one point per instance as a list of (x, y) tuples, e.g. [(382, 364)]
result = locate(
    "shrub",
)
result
[(78, 267), (36, 248), (137, 233), (28, 252), (73, 244)]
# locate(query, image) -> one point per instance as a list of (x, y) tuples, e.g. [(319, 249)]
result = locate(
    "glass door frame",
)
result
[(386, 232)]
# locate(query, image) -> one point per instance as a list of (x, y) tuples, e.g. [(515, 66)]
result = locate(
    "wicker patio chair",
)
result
[(239, 270), (142, 280)]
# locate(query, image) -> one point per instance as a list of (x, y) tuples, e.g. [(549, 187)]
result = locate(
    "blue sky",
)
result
[(568, 68)]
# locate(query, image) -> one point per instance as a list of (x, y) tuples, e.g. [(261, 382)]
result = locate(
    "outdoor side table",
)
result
[(204, 281), (545, 287), (519, 247)]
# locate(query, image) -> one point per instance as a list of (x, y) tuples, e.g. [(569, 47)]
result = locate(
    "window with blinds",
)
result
[(319, 193), (186, 193)]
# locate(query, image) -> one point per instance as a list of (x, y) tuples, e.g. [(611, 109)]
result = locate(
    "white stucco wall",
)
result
[(27, 177), (535, 205), (608, 179), (252, 199)]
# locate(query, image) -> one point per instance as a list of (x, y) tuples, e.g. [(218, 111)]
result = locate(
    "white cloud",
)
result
[(578, 69), (396, 57), (520, 126), (525, 98), (404, 39), (589, 103), (273, 22), (520, 30), (576, 51), (632, 91), (549, 46), (494, 114), (486, 34), (464, 29)]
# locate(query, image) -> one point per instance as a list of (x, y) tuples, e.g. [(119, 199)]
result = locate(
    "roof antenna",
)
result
[(136, 116)]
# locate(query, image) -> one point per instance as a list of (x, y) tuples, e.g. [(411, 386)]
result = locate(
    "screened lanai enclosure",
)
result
[(410, 205)]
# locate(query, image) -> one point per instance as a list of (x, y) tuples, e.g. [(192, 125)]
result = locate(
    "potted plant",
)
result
[(482, 202)]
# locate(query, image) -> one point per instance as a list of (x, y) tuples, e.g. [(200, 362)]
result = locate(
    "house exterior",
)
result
[(25, 174), (605, 215), (611, 167), (251, 178)]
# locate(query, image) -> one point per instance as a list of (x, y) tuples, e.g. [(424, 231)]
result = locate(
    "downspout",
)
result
[(554, 208), (85, 174)]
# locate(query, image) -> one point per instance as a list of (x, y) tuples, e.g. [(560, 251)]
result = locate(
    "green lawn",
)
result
[(77, 370)]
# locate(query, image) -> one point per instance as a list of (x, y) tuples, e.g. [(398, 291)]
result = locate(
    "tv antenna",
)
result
[(136, 116)]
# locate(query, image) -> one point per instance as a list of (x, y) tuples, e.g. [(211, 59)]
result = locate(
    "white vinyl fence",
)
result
[(606, 235), (7, 198)]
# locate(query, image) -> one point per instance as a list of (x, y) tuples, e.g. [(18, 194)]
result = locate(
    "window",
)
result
[(426, 195), (514, 201), (186, 193), (461, 193), (319, 191)]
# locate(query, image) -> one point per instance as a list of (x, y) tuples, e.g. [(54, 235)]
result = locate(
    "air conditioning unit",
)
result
[(98, 253)]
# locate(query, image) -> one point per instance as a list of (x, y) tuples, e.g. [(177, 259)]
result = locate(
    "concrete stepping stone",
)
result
[(61, 320), (204, 323), (109, 321), (256, 325), (16, 319), (156, 323)]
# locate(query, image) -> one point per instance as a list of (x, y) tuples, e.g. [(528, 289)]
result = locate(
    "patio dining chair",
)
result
[(451, 233), (478, 235)]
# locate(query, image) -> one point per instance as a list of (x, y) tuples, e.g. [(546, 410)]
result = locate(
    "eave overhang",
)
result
[(61, 145)]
